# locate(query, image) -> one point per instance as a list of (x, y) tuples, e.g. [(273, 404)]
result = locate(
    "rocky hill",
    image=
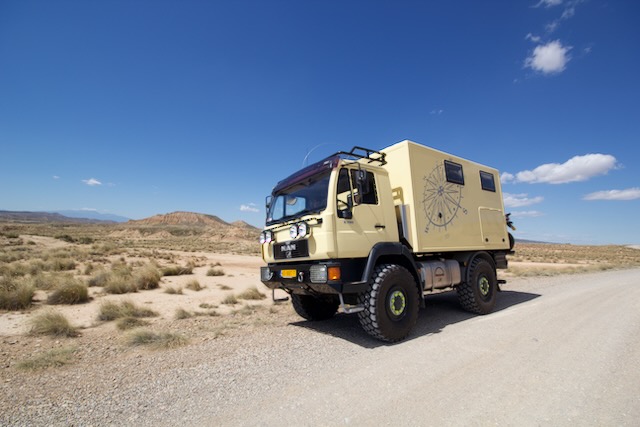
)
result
[(186, 219)]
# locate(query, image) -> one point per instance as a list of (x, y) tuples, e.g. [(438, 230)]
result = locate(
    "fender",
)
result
[(393, 249)]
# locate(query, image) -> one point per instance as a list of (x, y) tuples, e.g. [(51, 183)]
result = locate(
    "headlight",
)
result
[(298, 230), (266, 237)]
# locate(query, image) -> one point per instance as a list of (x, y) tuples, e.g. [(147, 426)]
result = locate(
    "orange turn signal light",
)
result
[(333, 273)]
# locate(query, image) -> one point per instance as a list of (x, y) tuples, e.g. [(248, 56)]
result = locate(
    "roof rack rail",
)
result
[(365, 153)]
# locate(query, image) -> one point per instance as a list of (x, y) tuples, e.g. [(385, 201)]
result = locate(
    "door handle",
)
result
[(380, 226)]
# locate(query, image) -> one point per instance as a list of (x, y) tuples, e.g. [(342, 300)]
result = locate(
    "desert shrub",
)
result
[(66, 238), (52, 323), (120, 285), (15, 269), (224, 287), (177, 270), (252, 294), (126, 323), (172, 291), (230, 300), (207, 305), (181, 313), (194, 285), (88, 269), (37, 266), (71, 292), (214, 271), (101, 278), (112, 311), (63, 264), (15, 294), (154, 339), (147, 278), (52, 358), (10, 235)]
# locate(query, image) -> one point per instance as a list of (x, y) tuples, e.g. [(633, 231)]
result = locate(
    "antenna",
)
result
[(311, 151)]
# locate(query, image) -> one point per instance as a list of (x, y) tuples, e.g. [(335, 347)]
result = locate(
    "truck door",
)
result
[(361, 221)]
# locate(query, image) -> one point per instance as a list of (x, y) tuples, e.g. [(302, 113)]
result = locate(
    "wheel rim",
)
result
[(397, 303), (485, 286)]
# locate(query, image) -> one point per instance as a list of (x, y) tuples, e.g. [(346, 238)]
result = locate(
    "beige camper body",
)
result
[(437, 214)]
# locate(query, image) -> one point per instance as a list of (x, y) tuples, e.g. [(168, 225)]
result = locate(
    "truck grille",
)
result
[(291, 249)]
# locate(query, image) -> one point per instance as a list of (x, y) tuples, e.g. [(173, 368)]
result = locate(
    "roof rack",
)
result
[(365, 153)]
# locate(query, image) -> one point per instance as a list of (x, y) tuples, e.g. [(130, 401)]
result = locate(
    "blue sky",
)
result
[(143, 107)]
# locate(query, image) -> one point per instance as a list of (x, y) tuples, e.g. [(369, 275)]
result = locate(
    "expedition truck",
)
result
[(373, 232)]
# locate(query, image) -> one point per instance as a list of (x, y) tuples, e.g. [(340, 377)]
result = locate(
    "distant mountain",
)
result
[(190, 219), (44, 218), (85, 214)]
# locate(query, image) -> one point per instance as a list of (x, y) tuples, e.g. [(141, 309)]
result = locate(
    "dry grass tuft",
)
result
[(172, 291), (118, 285), (162, 340), (147, 278), (230, 300), (177, 270), (181, 313), (53, 358), (15, 294), (52, 323), (126, 323), (252, 294), (194, 285), (112, 311), (214, 271), (72, 292)]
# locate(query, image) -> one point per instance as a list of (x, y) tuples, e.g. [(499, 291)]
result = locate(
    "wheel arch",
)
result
[(466, 259), (391, 253)]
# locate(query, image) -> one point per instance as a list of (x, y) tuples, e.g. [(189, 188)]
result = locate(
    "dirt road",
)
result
[(558, 351)]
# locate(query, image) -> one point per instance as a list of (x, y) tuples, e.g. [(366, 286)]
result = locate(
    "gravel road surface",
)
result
[(557, 351)]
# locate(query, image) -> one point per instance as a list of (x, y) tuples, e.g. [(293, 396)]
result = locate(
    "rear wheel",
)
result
[(478, 293), (314, 308), (391, 303)]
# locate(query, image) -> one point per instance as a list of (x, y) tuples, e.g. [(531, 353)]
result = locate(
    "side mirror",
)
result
[(267, 202), (347, 213)]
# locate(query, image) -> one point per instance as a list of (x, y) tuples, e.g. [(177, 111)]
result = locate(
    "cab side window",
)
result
[(369, 192)]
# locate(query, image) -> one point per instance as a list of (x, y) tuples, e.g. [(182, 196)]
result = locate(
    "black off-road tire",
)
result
[(314, 308), (478, 293), (391, 303)]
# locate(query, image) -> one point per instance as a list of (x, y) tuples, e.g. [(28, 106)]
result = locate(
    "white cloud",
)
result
[(628, 194), (549, 58), (548, 3), (520, 200), (251, 207), (56, 177), (526, 214), (535, 39), (507, 177), (576, 169), (436, 112), (92, 182)]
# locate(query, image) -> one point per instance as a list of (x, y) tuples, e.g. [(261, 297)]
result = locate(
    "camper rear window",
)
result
[(486, 179), (453, 172)]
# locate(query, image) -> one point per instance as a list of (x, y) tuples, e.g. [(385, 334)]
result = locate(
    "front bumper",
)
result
[(301, 278)]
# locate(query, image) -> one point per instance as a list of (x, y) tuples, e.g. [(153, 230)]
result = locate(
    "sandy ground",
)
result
[(558, 351), (242, 272)]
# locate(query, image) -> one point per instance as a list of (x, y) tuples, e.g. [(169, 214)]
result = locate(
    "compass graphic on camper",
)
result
[(443, 195)]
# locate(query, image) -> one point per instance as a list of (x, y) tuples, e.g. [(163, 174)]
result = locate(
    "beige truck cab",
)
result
[(373, 232)]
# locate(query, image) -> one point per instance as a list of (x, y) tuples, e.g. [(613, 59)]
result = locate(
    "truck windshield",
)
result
[(304, 197)]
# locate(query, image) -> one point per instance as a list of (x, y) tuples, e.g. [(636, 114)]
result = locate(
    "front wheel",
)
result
[(478, 293), (391, 303)]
